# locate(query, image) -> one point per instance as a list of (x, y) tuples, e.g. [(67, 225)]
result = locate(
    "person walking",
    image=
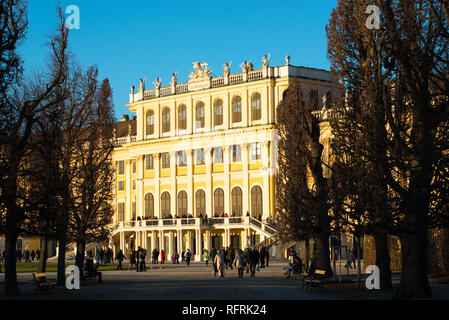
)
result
[(214, 265), (267, 257), (162, 256), (38, 255), (183, 256), (350, 259), (33, 255), (188, 256), (219, 262), (262, 257), (120, 257), (177, 257), (132, 260), (239, 262), (254, 260), (141, 259), (206, 256), (27, 256), (247, 259)]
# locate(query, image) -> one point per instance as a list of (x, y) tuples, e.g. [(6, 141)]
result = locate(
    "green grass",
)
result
[(51, 267)]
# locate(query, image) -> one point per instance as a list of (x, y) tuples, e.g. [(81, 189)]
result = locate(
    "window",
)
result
[(121, 185), (182, 158), (218, 155), (218, 201), (166, 120), (236, 195), (256, 109), (218, 112), (149, 206), (200, 201), (199, 156), (236, 109), (255, 151), (133, 210), (199, 115), (148, 162), (121, 167), (121, 211), (150, 122), (256, 201), (165, 159), (182, 117), (134, 184), (182, 203), (134, 165), (165, 204), (236, 153)]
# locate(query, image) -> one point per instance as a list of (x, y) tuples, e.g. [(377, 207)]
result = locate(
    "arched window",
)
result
[(150, 122), (149, 206), (182, 117), (218, 112), (236, 196), (200, 203), (256, 202), (166, 120), (199, 115), (182, 203), (256, 108), (236, 109), (165, 204), (218, 201)]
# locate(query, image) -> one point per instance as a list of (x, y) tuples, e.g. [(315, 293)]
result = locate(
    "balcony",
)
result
[(195, 223)]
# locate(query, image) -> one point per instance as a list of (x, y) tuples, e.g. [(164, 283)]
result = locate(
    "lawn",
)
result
[(51, 267)]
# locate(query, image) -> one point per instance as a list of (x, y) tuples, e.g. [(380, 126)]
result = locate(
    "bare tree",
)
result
[(20, 102), (303, 190)]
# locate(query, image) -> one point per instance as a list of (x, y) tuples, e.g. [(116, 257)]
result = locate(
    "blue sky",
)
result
[(129, 40)]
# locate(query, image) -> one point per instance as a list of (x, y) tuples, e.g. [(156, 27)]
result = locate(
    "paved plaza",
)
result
[(194, 282)]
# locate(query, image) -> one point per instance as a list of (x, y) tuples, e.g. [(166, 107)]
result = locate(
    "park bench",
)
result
[(42, 282), (317, 280)]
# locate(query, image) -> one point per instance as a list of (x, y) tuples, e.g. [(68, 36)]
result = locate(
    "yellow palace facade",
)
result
[(196, 166)]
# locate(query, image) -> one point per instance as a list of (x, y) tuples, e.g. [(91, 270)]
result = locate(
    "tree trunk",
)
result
[(79, 259), (43, 255), (414, 282), (383, 259), (61, 261), (11, 285), (322, 254), (307, 255)]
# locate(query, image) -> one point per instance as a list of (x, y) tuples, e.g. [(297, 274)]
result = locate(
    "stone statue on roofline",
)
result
[(287, 60), (174, 79), (227, 68), (201, 70), (157, 83), (250, 66), (265, 61), (132, 89), (244, 66), (141, 85)]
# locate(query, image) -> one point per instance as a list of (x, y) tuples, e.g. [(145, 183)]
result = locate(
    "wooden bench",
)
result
[(315, 281), (42, 282)]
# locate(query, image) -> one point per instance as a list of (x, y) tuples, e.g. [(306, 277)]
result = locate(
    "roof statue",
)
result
[(201, 71), (227, 68), (287, 60), (157, 83), (250, 66), (174, 79), (244, 66), (265, 61), (141, 85)]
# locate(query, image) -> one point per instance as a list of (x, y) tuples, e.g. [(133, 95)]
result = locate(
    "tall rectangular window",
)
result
[(182, 158), (199, 156), (148, 162), (165, 159), (218, 155), (134, 165), (121, 185), (134, 211), (255, 151), (121, 167), (134, 184), (121, 211), (236, 153)]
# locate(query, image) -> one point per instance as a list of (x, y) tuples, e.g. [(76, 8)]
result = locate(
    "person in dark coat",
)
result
[(188, 256), (90, 269), (254, 260), (262, 257), (120, 257)]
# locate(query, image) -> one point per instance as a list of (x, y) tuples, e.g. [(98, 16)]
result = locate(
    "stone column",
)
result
[(157, 168), (173, 183), (245, 191), (227, 196), (153, 240), (266, 178), (199, 249), (170, 244), (209, 191), (207, 240), (128, 186), (190, 181)]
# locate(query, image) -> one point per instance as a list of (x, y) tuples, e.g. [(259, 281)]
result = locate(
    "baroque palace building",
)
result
[(196, 165)]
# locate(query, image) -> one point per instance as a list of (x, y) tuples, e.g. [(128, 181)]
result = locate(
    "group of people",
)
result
[(137, 259), (26, 256), (105, 256), (249, 260)]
